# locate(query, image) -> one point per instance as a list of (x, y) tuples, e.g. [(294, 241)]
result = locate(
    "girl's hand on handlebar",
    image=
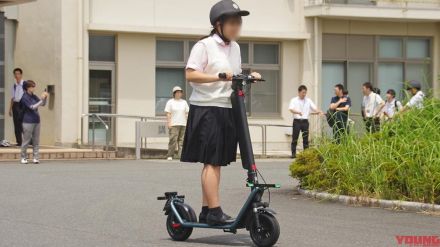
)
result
[(256, 75), (228, 76), (225, 76)]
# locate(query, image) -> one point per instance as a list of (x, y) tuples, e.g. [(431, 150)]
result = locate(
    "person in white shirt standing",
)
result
[(416, 101), (177, 111), (372, 105), (392, 105), (301, 107)]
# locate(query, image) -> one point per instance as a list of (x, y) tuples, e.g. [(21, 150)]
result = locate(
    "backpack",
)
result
[(396, 106)]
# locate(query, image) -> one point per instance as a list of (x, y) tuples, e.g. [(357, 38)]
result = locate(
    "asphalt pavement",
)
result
[(113, 203)]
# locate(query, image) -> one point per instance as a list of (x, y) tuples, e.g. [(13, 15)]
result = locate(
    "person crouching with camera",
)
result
[(31, 120)]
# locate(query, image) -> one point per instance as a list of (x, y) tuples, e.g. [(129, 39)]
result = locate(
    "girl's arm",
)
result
[(200, 77)]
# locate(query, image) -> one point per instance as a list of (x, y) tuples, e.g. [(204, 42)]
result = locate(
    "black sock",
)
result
[(205, 210), (216, 211)]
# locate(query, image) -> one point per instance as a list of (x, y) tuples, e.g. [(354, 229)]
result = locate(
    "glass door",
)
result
[(101, 100)]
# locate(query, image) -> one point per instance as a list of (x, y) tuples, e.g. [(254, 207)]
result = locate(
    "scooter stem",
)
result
[(242, 128)]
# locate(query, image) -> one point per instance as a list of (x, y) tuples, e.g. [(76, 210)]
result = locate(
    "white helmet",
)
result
[(177, 88)]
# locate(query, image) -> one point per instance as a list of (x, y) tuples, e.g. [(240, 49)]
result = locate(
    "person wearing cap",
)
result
[(392, 105), (210, 136), (301, 107), (176, 110), (372, 105), (31, 120), (415, 89)]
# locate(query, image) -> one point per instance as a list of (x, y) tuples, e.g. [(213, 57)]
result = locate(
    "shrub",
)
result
[(400, 162)]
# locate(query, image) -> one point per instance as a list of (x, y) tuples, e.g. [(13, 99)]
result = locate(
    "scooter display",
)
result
[(255, 215)]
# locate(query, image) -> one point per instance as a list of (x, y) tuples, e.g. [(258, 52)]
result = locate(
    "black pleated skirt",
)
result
[(210, 136)]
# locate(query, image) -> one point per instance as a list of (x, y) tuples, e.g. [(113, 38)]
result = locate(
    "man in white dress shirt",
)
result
[(371, 108), (416, 101), (301, 107)]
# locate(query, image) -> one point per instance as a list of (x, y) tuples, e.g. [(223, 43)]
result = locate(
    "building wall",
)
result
[(38, 53), (70, 84), (52, 48), (268, 19), (135, 89)]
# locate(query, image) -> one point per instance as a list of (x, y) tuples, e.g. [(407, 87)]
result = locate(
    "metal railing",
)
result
[(98, 117), (94, 116), (318, 124), (264, 135), (112, 116)]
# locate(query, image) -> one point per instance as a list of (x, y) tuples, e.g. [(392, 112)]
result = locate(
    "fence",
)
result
[(142, 134), (153, 127)]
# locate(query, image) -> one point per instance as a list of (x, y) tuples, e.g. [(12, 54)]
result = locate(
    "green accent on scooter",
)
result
[(255, 215)]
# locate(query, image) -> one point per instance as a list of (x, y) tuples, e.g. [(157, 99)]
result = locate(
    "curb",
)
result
[(371, 202)]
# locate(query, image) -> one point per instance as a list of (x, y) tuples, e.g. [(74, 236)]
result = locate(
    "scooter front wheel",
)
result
[(176, 231), (268, 233)]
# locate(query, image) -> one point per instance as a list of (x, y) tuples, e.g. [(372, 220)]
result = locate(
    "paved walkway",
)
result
[(113, 203)]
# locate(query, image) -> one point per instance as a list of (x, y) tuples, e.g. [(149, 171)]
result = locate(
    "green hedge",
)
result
[(401, 162)]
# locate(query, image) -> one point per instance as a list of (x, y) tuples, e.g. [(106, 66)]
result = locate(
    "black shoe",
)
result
[(202, 217), (222, 219)]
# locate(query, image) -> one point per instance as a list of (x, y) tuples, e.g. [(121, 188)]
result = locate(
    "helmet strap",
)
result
[(220, 33)]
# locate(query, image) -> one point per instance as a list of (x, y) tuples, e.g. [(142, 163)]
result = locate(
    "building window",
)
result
[(102, 85), (102, 48), (262, 100), (171, 58), (390, 48), (169, 50), (386, 61)]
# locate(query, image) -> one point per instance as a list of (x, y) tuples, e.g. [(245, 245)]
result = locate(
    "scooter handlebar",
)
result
[(246, 78), (241, 77)]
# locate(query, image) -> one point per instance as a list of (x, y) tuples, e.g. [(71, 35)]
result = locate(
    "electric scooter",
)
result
[(255, 215)]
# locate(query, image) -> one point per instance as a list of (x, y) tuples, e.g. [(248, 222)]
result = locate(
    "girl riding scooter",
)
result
[(210, 136)]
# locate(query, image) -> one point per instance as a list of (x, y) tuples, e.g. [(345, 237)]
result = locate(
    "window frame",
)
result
[(376, 60), (254, 67), (251, 66), (174, 64)]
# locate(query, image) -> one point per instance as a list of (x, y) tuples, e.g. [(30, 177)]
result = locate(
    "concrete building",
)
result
[(124, 57)]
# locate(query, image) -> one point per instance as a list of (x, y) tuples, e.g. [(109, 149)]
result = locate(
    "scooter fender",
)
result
[(185, 209), (268, 210)]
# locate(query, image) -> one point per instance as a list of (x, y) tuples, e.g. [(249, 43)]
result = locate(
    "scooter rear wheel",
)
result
[(268, 232), (176, 231)]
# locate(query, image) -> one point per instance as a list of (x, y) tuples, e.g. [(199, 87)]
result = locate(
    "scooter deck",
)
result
[(204, 225)]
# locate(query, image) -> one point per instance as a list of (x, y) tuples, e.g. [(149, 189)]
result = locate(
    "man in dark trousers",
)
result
[(301, 107), (16, 109)]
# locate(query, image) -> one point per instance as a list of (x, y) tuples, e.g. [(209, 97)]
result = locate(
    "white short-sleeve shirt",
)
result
[(213, 56), (371, 103), (416, 100), (390, 107), (305, 106), (178, 109)]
